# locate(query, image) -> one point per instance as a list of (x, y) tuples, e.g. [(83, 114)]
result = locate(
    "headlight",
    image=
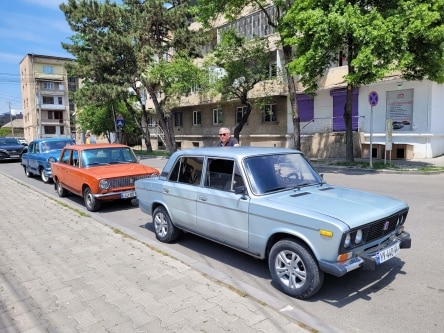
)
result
[(347, 241), (51, 160), (358, 237), (104, 184)]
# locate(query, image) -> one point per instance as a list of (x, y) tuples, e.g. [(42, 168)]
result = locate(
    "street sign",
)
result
[(120, 122), (373, 98)]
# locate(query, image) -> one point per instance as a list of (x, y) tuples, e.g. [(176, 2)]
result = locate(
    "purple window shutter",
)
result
[(305, 107), (339, 99)]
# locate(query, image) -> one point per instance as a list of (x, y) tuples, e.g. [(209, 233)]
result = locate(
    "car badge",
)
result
[(131, 180), (386, 225)]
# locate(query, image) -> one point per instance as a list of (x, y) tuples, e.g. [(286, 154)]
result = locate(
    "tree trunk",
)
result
[(296, 144), (349, 125), (244, 119)]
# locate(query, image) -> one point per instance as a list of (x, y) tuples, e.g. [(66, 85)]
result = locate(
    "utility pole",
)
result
[(12, 121)]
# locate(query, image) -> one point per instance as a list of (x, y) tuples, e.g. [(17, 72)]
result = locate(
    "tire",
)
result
[(44, 176), (91, 203), (60, 190), (164, 229), (294, 269), (27, 173)]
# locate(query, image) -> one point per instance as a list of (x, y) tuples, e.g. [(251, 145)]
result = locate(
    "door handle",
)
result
[(202, 198)]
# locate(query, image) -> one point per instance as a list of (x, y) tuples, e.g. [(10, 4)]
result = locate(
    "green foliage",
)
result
[(117, 45), (378, 37)]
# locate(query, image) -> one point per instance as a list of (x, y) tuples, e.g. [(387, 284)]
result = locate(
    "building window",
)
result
[(270, 113), (60, 100), (48, 85), (178, 119), (217, 116), (48, 100), (240, 111), (55, 115), (50, 130), (48, 69), (197, 118)]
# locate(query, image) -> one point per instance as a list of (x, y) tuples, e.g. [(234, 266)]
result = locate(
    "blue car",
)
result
[(40, 154)]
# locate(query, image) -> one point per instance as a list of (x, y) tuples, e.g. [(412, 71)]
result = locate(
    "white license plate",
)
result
[(387, 253), (15, 156), (129, 194)]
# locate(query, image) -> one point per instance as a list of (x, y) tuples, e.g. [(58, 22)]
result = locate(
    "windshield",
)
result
[(278, 172), (54, 145), (8, 141), (105, 156)]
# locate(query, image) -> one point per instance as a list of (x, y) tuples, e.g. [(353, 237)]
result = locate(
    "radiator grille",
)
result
[(125, 181)]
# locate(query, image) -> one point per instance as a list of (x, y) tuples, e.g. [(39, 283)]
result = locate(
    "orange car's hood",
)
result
[(121, 170)]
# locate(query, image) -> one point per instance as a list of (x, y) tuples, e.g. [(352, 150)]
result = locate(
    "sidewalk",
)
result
[(61, 271)]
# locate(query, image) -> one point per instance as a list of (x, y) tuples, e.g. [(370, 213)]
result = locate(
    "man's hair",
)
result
[(226, 129)]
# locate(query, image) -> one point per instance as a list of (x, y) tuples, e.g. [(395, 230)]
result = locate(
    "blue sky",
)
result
[(27, 26)]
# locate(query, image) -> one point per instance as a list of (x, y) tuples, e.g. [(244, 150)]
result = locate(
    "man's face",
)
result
[(224, 136)]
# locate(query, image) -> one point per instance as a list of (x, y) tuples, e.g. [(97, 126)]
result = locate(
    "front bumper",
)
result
[(367, 261)]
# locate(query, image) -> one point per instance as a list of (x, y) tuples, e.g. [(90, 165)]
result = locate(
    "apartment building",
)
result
[(48, 110), (413, 110)]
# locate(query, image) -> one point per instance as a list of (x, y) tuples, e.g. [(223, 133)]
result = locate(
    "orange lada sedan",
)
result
[(98, 173)]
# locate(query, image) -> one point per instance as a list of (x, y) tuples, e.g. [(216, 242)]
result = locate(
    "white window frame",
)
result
[(240, 111), (48, 85), (218, 116), (48, 69), (268, 117), (197, 118)]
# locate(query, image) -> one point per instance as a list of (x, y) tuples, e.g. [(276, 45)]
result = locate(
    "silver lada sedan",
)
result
[(271, 203)]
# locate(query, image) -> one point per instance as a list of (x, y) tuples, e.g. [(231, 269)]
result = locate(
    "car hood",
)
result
[(352, 207), (120, 170), (52, 153)]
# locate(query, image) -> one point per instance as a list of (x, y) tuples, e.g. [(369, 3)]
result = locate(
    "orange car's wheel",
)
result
[(91, 203)]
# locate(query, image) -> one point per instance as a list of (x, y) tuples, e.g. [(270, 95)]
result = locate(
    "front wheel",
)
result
[(294, 269), (91, 203), (164, 229)]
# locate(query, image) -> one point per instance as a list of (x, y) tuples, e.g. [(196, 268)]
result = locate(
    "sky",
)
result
[(27, 26)]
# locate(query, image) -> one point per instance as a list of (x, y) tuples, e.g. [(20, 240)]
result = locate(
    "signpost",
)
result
[(373, 100), (120, 123)]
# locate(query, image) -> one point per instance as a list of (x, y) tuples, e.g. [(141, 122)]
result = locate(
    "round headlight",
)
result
[(358, 237), (347, 241), (51, 160), (104, 184)]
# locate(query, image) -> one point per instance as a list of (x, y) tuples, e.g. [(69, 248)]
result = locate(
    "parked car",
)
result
[(10, 149), (23, 141), (98, 173), (40, 153), (271, 203)]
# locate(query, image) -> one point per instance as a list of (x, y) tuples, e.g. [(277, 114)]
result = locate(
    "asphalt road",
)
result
[(405, 294)]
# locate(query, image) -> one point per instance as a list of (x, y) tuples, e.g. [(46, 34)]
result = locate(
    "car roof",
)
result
[(96, 146), (53, 139), (238, 152)]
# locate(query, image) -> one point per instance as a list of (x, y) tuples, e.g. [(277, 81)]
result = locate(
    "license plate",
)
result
[(15, 156), (387, 253), (129, 194)]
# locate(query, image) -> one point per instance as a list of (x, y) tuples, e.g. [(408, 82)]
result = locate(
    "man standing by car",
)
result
[(226, 139), (89, 138)]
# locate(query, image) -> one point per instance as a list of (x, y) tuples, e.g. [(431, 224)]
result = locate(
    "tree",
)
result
[(245, 64), (207, 11), (116, 46), (377, 37)]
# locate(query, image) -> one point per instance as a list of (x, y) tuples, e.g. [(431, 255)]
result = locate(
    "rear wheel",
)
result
[(294, 269), (60, 190), (164, 229), (91, 203), (45, 178), (27, 173)]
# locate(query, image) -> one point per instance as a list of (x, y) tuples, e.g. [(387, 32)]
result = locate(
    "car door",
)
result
[(181, 190), (69, 173), (221, 213)]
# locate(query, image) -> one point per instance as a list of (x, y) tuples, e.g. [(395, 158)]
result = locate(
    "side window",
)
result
[(65, 157), (187, 170), (223, 174), (75, 158)]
